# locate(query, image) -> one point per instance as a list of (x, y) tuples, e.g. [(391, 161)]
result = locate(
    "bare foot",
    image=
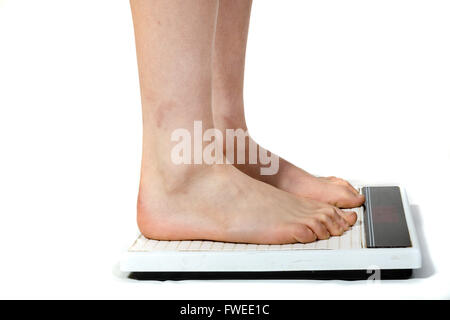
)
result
[(335, 191), (221, 203)]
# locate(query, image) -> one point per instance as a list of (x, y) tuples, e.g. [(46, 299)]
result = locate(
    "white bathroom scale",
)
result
[(383, 242)]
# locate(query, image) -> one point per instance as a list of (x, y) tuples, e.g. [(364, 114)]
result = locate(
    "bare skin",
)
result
[(174, 42), (228, 110), (221, 203)]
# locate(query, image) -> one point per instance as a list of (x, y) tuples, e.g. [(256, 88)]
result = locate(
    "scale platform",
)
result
[(383, 242)]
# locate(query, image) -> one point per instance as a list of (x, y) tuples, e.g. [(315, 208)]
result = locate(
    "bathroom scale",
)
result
[(383, 243)]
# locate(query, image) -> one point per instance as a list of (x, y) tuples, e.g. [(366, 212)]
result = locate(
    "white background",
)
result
[(357, 89)]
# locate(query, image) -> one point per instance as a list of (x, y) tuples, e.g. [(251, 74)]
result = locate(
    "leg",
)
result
[(174, 42), (228, 109)]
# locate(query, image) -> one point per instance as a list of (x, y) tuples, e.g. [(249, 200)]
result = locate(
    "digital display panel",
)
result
[(384, 218)]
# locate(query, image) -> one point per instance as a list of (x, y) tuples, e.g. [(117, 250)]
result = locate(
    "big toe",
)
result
[(348, 199)]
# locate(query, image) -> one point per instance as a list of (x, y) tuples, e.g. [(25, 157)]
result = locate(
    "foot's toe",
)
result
[(304, 234), (349, 216), (348, 199), (335, 224), (338, 216), (319, 228)]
